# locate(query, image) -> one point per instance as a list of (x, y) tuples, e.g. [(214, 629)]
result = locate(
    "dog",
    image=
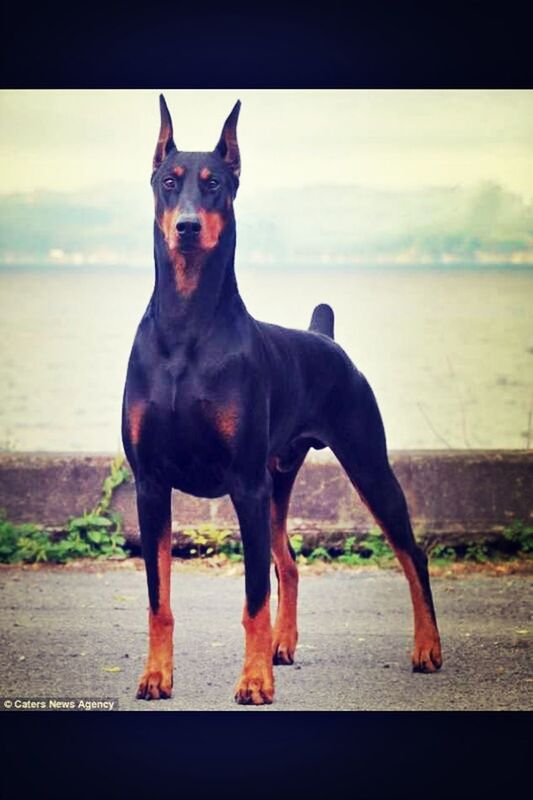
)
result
[(218, 403)]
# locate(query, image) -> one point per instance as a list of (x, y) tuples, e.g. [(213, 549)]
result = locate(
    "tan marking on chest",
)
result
[(226, 419), (187, 272), (136, 413)]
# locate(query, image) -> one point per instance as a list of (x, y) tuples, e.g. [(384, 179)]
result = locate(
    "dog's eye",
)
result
[(212, 184), (169, 183)]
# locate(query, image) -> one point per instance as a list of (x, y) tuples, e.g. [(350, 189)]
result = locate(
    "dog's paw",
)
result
[(255, 687), (155, 684), (427, 655), (284, 646)]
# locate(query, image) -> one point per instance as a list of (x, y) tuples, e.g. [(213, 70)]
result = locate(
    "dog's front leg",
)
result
[(256, 684), (153, 504)]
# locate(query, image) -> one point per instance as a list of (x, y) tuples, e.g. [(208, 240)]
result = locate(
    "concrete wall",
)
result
[(453, 496)]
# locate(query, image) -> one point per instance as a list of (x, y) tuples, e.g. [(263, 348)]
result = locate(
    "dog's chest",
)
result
[(194, 407), (189, 424), (188, 435), (189, 389)]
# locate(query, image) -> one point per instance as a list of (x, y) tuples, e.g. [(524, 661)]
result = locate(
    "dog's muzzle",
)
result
[(189, 228)]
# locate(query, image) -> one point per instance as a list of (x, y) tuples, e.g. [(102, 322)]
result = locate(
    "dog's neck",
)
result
[(195, 293)]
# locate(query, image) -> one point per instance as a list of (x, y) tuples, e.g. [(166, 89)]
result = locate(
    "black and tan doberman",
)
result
[(218, 403)]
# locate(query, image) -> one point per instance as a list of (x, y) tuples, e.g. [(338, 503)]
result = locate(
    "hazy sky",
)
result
[(391, 139)]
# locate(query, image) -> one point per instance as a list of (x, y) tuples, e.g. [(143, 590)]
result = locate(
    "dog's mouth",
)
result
[(191, 245)]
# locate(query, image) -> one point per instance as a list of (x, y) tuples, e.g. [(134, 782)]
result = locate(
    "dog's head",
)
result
[(194, 191)]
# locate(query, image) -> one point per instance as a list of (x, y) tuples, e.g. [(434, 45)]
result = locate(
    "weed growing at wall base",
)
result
[(516, 541), (96, 534), (207, 540), (370, 549)]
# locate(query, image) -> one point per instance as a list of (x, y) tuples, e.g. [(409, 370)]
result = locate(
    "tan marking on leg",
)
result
[(285, 634), (427, 656), (156, 681), (256, 684), (272, 463)]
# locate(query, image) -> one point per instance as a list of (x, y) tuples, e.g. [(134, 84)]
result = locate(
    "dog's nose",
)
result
[(189, 226)]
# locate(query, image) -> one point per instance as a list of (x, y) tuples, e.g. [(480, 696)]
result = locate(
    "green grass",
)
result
[(516, 542), (207, 540), (96, 534), (370, 549)]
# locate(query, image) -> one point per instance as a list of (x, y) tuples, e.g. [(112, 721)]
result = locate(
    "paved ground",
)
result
[(74, 634)]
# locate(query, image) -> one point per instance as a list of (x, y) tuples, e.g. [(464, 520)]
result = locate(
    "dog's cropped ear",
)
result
[(227, 145), (165, 143)]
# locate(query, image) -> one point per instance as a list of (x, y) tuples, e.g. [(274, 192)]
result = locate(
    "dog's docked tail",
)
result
[(322, 320)]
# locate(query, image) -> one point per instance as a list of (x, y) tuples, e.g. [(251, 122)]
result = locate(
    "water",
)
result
[(448, 352)]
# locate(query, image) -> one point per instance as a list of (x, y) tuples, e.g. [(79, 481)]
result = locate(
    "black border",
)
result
[(263, 755), (226, 45)]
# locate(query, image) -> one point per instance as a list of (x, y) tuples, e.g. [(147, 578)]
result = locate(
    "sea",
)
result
[(447, 350)]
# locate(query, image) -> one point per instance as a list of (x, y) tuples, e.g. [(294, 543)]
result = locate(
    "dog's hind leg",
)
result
[(285, 633), (358, 441), (153, 504)]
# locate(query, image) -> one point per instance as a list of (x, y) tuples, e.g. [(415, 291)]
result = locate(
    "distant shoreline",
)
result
[(284, 265)]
